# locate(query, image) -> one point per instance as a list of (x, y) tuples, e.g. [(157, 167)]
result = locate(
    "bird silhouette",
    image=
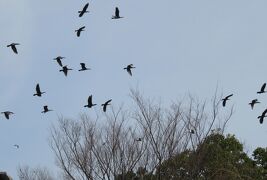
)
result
[(84, 10), (17, 146), (83, 67), (253, 102), (13, 47), (138, 139), (226, 99), (58, 59), (89, 103), (262, 89), (38, 91), (106, 104), (262, 116), (192, 131), (46, 109), (65, 70), (128, 68), (79, 31), (117, 14), (7, 114)]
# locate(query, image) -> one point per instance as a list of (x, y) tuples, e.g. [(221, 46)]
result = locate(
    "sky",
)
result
[(177, 46)]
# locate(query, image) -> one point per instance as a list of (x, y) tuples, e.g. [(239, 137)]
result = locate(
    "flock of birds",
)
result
[(65, 68), (128, 68), (252, 103)]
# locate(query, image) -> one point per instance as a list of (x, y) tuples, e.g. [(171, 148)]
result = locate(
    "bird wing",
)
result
[(78, 33), (85, 7), (108, 101), (38, 89), (59, 62), (129, 71), (14, 49), (83, 65), (229, 96), (264, 113), (263, 87), (104, 107), (90, 100), (117, 12), (224, 102), (45, 108), (82, 28)]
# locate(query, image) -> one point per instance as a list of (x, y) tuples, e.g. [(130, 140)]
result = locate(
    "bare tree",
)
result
[(38, 173), (143, 137)]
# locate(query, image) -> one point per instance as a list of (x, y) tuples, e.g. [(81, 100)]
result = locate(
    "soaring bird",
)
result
[(7, 114), (128, 68), (17, 146), (225, 99), (262, 89), (84, 10), (13, 47), (79, 31), (138, 139), (65, 70), (106, 104), (83, 67), (38, 91), (46, 109), (117, 14), (89, 103), (253, 102), (58, 59), (262, 116)]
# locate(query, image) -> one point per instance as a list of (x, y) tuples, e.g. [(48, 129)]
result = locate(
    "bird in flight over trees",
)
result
[(65, 70), (262, 116), (13, 47), (79, 31), (83, 67), (128, 68), (7, 114), (253, 102), (106, 104), (226, 99), (84, 10), (117, 14), (46, 109), (38, 91), (262, 89), (89, 102), (138, 139), (58, 59)]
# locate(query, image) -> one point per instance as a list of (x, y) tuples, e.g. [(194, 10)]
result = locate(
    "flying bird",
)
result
[(65, 70), (13, 47), (128, 68), (262, 116), (89, 103), (84, 10), (262, 89), (7, 114), (17, 146), (226, 99), (192, 131), (38, 91), (138, 139), (106, 104), (46, 109), (83, 67), (253, 102), (79, 31), (58, 59), (117, 14)]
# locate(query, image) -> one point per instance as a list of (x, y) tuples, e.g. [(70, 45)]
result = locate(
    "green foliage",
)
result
[(217, 157)]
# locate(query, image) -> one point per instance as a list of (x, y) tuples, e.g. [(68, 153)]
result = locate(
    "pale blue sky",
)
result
[(177, 46)]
